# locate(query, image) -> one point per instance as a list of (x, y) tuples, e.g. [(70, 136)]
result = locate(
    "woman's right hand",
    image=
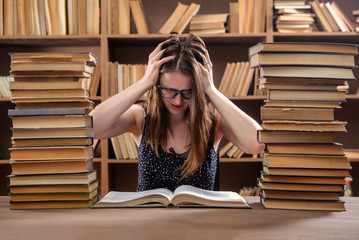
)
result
[(154, 64)]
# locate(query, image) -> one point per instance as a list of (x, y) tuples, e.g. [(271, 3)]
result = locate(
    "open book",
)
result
[(183, 196)]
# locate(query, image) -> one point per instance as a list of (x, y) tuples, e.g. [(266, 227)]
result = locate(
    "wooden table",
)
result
[(175, 223)]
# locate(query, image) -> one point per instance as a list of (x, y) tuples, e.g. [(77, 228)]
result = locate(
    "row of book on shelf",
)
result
[(5, 86), (303, 16), (237, 78), (80, 17), (51, 156), (124, 147), (303, 166), (243, 17), (121, 76), (229, 150), (49, 17)]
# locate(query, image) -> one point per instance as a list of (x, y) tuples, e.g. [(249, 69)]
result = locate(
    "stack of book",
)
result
[(236, 79), (356, 16), (52, 135), (208, 23), (293, 16), (331, 18), (303, 166)]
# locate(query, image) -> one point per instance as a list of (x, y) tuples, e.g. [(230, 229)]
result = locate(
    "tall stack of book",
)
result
[(303, 167), (293, 16), (52, 135)]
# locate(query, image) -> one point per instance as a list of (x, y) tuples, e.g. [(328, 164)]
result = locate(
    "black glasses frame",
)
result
[(175, 91)]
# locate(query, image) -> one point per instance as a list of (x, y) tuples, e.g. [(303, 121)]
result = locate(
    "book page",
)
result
[(123, 199), (188, 195), (212, 195)]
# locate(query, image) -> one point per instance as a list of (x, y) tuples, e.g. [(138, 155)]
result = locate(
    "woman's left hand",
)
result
[(207, 72)]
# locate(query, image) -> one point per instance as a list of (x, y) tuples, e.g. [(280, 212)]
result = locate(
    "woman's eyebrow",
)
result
[(189, 89)]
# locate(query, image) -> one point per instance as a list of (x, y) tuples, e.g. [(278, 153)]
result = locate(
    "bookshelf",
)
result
[(133, 48)]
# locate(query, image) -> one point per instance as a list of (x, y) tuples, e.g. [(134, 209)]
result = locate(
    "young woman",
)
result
[(179, 127)]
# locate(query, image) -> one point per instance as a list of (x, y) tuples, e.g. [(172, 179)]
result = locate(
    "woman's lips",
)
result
[(176, 107)]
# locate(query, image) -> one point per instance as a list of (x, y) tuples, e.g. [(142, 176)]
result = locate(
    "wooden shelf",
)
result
[(240, 160), (248, 98), (229, 38), (133, 48), (353, 154), (122, 161), (97, 160), (344, 37), (4, 161), (53, 40), (352, 97), (96, 98)]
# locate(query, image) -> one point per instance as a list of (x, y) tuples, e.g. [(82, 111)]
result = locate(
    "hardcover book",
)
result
[(183, 196)]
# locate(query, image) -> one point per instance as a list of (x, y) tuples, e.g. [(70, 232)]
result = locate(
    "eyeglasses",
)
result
[(172, 93)]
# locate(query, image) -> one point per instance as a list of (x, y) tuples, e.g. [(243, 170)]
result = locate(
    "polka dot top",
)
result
[(164, 171)]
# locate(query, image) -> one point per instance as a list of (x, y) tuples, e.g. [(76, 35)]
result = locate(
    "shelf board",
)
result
[(249, 97), (96, 98), (345, 37), (352, 96), (4, 161), (123, 161), (353, 154), (239, 160), (56, 40), (227, 38)]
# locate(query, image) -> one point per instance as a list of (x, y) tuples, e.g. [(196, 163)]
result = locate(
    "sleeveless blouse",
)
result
[(164, 171)]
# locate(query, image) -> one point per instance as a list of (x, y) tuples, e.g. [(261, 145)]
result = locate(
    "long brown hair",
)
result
[(200, 115)]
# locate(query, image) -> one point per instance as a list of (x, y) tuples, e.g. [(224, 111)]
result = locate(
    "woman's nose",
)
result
[(178, 99)]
